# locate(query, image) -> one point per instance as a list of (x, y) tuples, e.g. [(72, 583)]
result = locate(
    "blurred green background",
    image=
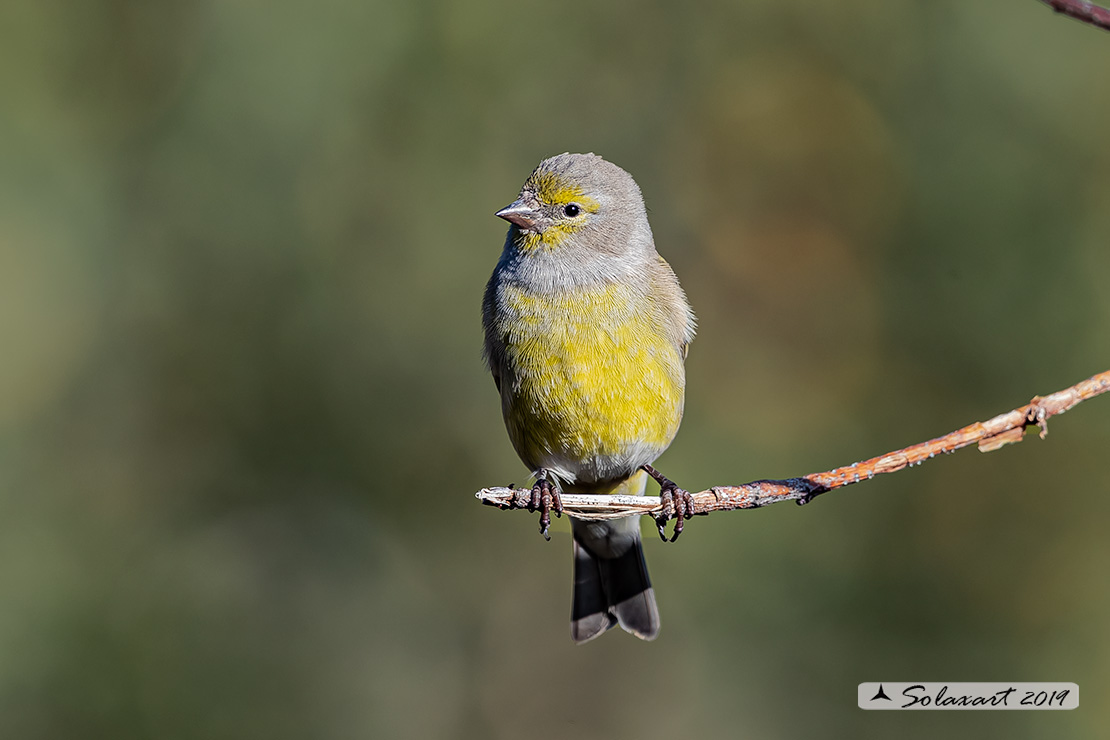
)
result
[(243, 411)]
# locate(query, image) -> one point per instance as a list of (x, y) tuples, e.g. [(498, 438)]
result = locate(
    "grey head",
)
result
[(579, 205)]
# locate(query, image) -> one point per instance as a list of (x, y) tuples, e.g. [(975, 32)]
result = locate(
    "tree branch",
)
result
[(1089, 13), (989, 435)]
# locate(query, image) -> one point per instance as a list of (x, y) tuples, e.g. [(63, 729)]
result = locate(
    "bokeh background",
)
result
[(243, 411)]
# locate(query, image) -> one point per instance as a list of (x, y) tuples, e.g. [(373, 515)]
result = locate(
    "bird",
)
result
[(586, 335)]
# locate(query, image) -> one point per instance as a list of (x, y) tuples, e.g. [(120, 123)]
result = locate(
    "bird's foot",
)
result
[(545, 499), (677, 503)]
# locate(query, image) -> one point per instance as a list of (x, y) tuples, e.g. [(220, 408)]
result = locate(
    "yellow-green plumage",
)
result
[(586, 335), (599, 383)]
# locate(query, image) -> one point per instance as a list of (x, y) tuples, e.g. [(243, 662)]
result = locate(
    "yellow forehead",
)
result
[(557, 191)]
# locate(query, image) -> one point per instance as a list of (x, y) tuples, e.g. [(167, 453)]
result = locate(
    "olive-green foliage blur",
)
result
[(243, 411)]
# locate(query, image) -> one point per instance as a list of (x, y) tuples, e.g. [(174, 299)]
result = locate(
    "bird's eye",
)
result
[(571, 210)]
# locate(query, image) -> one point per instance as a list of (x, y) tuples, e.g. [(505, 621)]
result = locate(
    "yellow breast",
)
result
[(593, 385)]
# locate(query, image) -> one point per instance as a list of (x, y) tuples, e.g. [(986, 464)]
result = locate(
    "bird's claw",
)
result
[(676, 503), (545, 499)]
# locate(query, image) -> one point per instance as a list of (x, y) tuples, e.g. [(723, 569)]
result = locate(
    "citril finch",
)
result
[(586, 332)]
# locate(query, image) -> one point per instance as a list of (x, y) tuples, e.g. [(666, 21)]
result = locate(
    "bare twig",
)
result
[(989, 435), (1089, 13)]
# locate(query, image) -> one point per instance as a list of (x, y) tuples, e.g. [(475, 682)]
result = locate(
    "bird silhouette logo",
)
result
[(881, 695)]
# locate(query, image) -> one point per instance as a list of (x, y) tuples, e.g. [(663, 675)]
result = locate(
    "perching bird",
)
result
[(586, 336)]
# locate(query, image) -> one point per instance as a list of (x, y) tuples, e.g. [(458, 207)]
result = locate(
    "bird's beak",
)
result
[(520, 213)]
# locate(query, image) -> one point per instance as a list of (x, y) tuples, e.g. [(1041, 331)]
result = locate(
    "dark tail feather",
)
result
[(630, 595), (609, 591), (589, 615)]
